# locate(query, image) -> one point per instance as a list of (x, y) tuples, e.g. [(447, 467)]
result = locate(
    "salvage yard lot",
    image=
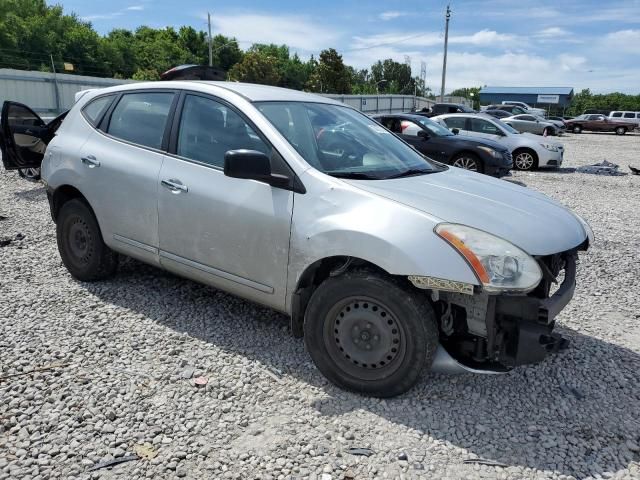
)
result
[(121, 357)]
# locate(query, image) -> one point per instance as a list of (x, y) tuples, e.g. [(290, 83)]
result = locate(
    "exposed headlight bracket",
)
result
[(434, 283)]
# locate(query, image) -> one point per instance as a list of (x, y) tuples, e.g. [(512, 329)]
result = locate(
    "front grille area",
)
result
[(552, 267)]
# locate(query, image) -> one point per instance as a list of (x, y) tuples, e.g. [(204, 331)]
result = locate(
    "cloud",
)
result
[(112, 15), (623, 41), (391, 15), (552, 32), (297, 31), (430, 39)]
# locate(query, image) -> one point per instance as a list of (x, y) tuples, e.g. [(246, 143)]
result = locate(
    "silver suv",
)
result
[(387, 262)]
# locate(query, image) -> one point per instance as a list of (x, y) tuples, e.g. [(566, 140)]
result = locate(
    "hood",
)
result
[(475, 141), (529, 220), (540, 139)]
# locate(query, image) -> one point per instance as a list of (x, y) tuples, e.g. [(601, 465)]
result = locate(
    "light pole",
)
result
[(384, 80), (444, 59), (473, 104)]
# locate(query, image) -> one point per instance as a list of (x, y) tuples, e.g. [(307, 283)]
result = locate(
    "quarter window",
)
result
[(141, 118), (94, 109), (209, 129)]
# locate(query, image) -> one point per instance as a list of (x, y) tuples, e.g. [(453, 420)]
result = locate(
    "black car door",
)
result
[(24, 136)]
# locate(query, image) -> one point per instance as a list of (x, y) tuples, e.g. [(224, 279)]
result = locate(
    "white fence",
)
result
[(50, 94)]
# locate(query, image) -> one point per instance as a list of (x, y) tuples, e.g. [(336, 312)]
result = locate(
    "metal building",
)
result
[(534, 96)]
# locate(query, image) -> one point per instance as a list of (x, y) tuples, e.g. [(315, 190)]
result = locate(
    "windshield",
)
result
[(581, 117), (434, 127), (343, 142)]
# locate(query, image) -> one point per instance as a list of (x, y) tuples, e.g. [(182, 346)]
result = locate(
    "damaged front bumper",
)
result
[(493, 333)]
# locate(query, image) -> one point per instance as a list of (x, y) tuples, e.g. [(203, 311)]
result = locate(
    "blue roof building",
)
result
[(534, 96)]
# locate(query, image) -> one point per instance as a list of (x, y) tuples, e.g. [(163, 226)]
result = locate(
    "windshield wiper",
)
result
[(353, 175), (412, 172)]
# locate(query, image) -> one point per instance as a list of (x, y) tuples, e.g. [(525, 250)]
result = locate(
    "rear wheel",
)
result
[(468, 161), (525, 159), (621, 130), (31, 174), (367, 333), (577, 129), (80, 243)]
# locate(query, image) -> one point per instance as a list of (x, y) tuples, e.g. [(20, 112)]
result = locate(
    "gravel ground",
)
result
[(122, 354)]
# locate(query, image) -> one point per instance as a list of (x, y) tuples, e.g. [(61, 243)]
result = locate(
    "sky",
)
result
[(577, 43)]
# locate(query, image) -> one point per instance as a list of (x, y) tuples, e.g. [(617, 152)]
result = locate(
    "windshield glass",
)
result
[(581, 117), (434, 128), (343, 142)]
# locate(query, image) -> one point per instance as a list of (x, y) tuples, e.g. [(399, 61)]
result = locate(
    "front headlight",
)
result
[(499, 265), (491, 151), (550, 146)]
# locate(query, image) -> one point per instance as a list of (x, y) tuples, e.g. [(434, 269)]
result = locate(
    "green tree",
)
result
[(330, 75), (256, 67), (471, 93)]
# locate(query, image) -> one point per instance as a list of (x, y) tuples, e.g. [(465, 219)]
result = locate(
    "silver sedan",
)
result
[(532, 124)]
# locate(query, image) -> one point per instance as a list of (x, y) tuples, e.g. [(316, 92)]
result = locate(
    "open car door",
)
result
[(24, 136)]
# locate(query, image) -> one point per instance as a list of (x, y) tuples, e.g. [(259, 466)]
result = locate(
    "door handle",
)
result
[(174, 185), (90, 161)]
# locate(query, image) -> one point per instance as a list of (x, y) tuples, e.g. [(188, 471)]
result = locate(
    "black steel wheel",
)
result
[(366, 333), (80, 243)]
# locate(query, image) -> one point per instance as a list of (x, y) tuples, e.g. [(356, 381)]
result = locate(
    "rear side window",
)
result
[(456, 122), (482, 126), (141, 118), (629, 115), (94, 109)]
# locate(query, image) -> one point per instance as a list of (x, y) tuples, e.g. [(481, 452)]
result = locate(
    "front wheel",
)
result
[(525, 159), (621, 130), (31, 174), (468, 161), (369, 334)]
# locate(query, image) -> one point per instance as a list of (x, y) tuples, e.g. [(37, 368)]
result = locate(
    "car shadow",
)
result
[(577, 413), (31, 192), (557, 170)]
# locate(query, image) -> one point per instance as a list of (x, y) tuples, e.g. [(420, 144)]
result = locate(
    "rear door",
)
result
[(24, 136)]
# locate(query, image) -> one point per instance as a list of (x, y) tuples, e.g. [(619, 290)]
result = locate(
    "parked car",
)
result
[(626, 116), (439, 143), (498, 113), (598, 123), (532, 124), (440, 108), (526, 107), (387, 262), (560, 120), (514, 109), (529, 151)]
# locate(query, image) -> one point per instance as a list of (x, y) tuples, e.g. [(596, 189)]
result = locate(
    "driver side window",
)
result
[(209, 129)]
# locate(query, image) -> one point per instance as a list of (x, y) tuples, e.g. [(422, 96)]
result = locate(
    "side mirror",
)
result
[(253, 165), (423, 135), (455, 131)]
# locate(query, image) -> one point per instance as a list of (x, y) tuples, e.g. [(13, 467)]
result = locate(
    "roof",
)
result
[(249, 91), (529, 90)]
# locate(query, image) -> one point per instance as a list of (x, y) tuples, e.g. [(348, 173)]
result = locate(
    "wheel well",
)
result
[(61, 196), (314, 275), (528, 150)]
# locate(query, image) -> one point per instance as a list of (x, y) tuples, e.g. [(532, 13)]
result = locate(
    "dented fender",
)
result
[(335, 218)]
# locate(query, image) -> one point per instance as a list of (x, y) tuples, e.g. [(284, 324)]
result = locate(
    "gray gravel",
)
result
[(123, 355)]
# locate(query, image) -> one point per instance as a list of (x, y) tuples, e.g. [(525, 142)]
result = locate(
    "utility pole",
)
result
[(55, 85), (444, 60), (210, 40)]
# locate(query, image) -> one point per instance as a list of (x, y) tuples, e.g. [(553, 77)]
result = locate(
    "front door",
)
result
[(24, 136), (230, 233)]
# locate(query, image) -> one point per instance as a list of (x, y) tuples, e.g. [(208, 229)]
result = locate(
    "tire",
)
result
[(30, 174), (621, 130), (525, 159), (468, 161), (368, 334), (577, 129), (80, 243)]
